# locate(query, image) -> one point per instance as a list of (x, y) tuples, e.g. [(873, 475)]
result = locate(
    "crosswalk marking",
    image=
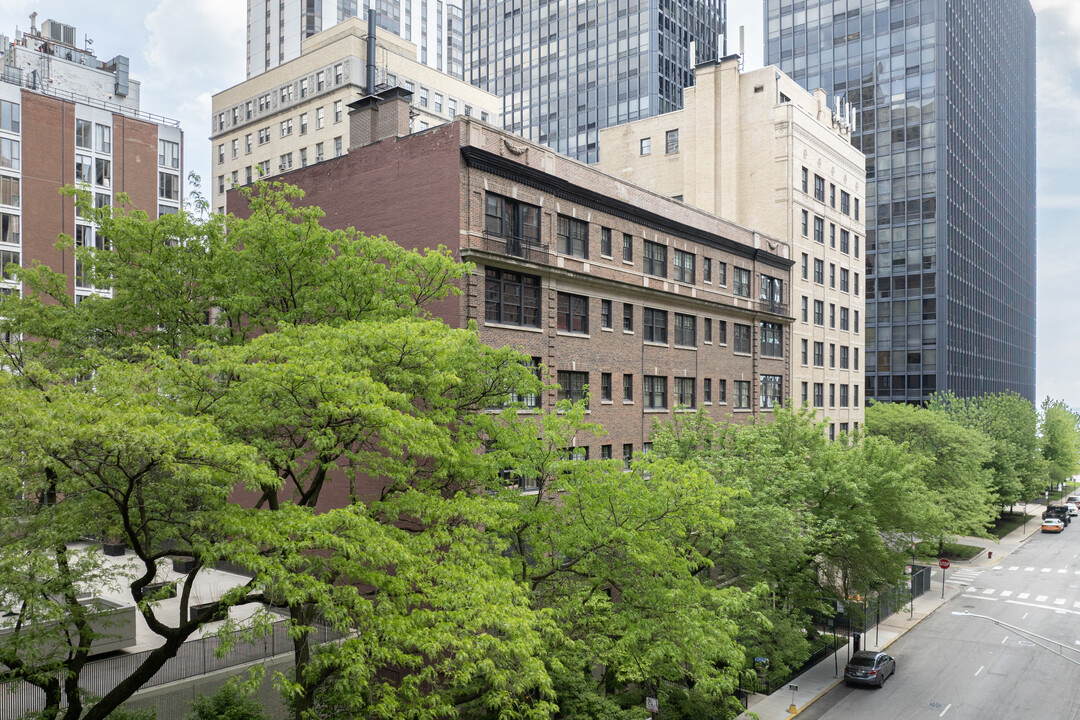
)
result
[(988, 591), (1040, 598), (1028, 569), (1006, 593), (971, 589), (1046, 570), (1059, 601), (1015, 567), (1063, 570), (1024, 596)]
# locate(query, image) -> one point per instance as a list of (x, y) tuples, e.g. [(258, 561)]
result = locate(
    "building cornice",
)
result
[(561, 188)]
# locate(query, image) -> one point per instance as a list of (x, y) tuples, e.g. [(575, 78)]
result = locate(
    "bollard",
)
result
[(989, 554)]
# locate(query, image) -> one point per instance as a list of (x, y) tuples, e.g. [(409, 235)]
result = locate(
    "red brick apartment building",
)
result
[(650, 304), (67, 118)]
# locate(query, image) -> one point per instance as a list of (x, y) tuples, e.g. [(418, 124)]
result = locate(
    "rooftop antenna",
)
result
[(742, 47)]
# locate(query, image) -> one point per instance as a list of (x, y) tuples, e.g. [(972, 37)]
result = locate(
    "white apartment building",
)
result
[(296, 114), (276, 29), (757, 149)]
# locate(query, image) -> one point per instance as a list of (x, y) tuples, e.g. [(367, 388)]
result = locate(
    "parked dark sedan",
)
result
[(867, 667)]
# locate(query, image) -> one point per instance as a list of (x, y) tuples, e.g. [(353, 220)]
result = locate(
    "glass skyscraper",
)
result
[(566, 70), (944, 99)]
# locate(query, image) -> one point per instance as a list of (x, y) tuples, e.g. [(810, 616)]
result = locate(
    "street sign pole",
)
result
[(944, 565)]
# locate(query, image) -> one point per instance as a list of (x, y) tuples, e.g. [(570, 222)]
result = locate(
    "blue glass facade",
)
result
[(567, 70), (944, 94)]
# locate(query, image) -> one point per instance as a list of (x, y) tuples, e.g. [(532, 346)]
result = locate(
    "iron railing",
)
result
[(516, 247)]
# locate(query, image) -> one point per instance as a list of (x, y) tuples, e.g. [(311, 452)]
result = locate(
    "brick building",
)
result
[(653, 305), (67, 118)]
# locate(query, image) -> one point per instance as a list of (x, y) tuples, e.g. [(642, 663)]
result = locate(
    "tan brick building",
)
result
[(68, 118), (294, 115), (653, 305), (758, 149)]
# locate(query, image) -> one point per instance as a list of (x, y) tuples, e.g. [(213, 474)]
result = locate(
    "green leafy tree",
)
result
[(1059, 440), (228, 703)]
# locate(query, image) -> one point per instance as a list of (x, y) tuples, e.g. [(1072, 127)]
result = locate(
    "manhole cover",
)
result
[(1026, 643)]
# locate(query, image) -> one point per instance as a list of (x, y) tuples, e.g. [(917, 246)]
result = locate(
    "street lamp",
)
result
[(1029, 635)]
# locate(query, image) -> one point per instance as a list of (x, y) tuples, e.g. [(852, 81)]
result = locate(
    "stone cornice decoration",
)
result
[(516, 149), (563, 189)]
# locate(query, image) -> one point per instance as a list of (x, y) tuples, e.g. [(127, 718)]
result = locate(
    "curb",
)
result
[(817, 697)]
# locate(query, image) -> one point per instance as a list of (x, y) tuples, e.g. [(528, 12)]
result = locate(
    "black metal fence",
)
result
[(195, 658)]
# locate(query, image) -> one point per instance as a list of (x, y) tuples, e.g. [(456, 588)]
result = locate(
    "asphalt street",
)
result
[(969, 668)]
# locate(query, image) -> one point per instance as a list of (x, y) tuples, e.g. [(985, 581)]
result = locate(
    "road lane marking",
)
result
[(1046, 570), (1024, 596), (1015, 567), (981, 597), (1059, 601), (945, 710), (1063, 570), (1006, 593), (1004, 639), (1076, 604), (988, 591), (1041, 607), (1028, 569), (970, 589), (1040, 598), (1025, 614), (979, 670)]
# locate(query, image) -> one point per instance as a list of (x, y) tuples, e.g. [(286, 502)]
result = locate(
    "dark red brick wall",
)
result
[(48, 156), (135, 155)]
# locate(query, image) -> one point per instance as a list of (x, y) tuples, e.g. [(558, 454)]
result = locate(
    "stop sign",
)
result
[(943, 564)]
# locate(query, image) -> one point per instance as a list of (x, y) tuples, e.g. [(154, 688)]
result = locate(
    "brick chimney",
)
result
[(380, 116)]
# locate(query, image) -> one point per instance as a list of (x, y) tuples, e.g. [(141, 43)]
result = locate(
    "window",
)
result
[(855, 364), (303, 123), (856, 321), (572, 385), (844, 240), (220, 184), (843, 396), (9, 228), (832, 355), (742, 282), (805, 385), (819, 312), (103, 138), (605, 452), (169, 153), (303, 157), (84, 168), (605, 314), (845, 280), (285, 161), (805, 302), (671, 139), (685, 330), (286, 127), (655, 259), (684, 392), (655, 392), (742, 394), (721, 273), (772, 339), (845, 202), (832, 394), (627, 454), (819, 395), (337, 146), (573, 313), (843, 318), (805, 180), (805, 223), (84, 134), (646, 146), (423, 97), (684, 267), (805, 266), (721, 391), (605, 242), (103, 172), (855, 396), (654, 325), (628, 388), (844, 357), (573, 236), (706, 270), (741, 339), (819, 354), (832, 235), (832, 195), (9, 116), (320, 118), (286, 94), (320, 81), (438, 102), (264, 136), (707, 322), (515, 221), (771, 386), (628, 317), (805, 352), (772, 292), (856, 208), (819, 188), (721, 332), (627, 247), (706, 391), (511, 298), (605, 387), (235, 148), (451, 107), (247, 174), (856, 280), (338, 73), (168, 186), (832, 315), (247, 144), (337, 111), (819, 229)]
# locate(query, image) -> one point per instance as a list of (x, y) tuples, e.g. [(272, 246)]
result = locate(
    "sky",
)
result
[(184, 51)]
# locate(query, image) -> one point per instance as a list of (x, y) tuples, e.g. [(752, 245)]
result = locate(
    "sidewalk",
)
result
[(829, 673)]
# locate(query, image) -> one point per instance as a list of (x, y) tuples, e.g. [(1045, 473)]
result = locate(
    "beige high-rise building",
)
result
[(296, 114), (757, 149)]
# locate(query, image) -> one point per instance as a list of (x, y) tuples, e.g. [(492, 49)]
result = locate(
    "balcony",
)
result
[(770, 306), (516, 247)]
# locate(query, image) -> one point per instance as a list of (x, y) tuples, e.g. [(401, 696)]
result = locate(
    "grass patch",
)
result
[(1007, 523), (927, 552)]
